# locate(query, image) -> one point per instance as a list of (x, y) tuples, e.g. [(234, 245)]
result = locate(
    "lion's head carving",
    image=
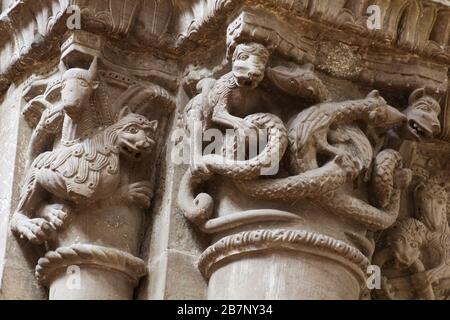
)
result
[(249, 64), (135, 134)]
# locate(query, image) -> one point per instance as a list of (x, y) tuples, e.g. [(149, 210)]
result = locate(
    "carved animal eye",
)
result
[(243, 56), (84, 83), (132, 130)]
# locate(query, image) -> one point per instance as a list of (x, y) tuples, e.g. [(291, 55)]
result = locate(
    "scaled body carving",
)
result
[(309, 132), (84, 173), (232, 93)]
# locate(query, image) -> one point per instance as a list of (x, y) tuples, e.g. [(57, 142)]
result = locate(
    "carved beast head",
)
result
[(431, 204), (135, 134), (423, 116), (77, 87), (405, 239), (249, 64)]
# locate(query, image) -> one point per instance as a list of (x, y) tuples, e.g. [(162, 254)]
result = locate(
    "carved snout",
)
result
[(144, 145), (394, 117)]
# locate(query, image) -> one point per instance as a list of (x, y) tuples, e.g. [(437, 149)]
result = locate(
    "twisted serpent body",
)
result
[(308, 184), (249, 169), (198, 209), (385, 193)]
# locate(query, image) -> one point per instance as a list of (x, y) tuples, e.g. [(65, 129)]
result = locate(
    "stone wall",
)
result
[(224, 149)]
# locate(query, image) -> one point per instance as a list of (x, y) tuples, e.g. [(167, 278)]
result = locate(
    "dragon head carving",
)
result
[(423, 117), (249, 64), (135, 134)]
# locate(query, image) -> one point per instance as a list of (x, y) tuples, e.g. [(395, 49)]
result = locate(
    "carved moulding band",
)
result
[(367, 64), (55, 262), (247, 242), (247, 27)]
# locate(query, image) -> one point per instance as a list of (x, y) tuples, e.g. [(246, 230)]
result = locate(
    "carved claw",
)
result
[(139, 193), (36, 230), (433, 275), (200, 170), (421, 280), (56, 215)]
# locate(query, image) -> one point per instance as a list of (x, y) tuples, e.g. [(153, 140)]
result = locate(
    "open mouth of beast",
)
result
[(419, 131), (133, 152), (245, 82)]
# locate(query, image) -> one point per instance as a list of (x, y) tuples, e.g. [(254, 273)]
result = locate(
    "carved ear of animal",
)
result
[(62, 67), (124, 112), (271, 48), (95, 85), (93, 69), (374, 94), (416, 95), (154, 125)]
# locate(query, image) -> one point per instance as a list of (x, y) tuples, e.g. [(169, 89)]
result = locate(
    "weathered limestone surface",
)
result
[(224, 149)]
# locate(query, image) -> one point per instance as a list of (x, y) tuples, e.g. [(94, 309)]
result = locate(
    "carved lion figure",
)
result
[(84, 173)]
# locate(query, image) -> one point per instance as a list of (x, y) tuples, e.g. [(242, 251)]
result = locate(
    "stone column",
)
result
[(350, 110)]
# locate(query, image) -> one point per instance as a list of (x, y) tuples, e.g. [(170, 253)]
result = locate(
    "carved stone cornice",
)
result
[(229, 248), (348, 57), (32, 30)]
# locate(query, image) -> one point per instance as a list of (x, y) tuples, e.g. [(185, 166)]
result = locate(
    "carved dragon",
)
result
[(308, 137), (215, 103), (86, 172)]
